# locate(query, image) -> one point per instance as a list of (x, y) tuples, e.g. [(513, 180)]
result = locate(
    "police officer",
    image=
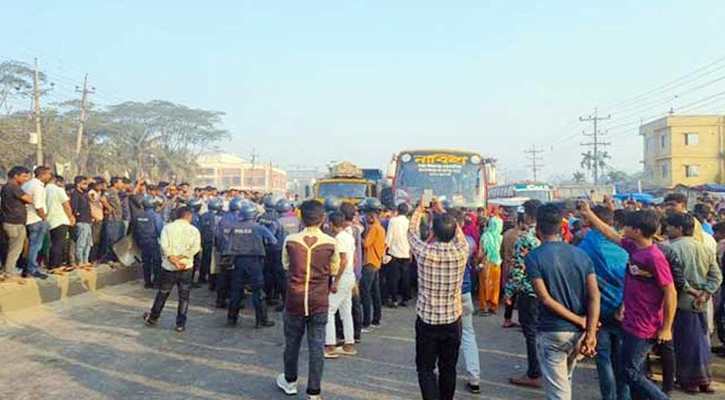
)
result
[(245, 241), (207, 227), (289, 224), (146, 230), (225, 262), (270, 221), (195, 204)]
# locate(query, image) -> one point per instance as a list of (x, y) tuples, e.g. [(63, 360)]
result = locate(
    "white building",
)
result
[(229, 171)]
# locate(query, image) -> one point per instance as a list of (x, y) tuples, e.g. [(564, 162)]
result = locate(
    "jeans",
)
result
[(529, 317), (58, 245), (36, 234), (437, 346), (634, 354), (15, 234), (370, 295), (169, 279), (612, 381), (398, 279), (557, 354), (469, 347), (342, 301), (84, 242), (294, 328)]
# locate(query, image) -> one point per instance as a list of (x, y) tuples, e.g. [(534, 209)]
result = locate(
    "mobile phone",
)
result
[(427, 197)]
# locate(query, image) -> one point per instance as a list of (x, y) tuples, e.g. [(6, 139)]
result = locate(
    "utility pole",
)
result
[(533, 156), (39, 158), (595, 144), (81, 123)]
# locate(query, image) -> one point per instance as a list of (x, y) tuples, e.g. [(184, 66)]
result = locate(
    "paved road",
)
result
[(95, 346)]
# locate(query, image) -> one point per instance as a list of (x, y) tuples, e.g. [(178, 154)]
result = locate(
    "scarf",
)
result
[(491, 240)]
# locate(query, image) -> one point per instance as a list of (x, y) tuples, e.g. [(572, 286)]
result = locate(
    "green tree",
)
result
[(579, 177)]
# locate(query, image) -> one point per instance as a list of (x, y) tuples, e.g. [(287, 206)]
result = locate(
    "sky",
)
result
[(305, 82)]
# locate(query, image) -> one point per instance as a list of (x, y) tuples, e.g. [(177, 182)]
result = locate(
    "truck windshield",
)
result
[(343, 190)]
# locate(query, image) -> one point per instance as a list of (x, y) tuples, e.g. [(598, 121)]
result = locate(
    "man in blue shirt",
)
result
[(565, 284)]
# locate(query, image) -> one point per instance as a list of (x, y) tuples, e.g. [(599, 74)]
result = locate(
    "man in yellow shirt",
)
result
[(180, 241)]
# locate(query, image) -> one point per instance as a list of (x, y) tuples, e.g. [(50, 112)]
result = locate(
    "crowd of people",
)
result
[(611, 282)]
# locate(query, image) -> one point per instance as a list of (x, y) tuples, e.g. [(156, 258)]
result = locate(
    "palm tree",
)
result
[(579, 177)]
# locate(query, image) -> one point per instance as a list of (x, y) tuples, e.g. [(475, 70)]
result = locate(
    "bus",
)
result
[(523, 190), (455, 175)]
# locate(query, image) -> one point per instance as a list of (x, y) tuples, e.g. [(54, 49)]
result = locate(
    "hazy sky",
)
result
[(306, 82)]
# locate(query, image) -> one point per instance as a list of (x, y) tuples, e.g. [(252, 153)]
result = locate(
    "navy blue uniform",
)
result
[(147, 226), (273, 283), (245, 241), (207, 228)]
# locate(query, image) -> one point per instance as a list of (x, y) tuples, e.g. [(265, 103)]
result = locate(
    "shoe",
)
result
[(350, 351), (24, 274), (376, 325), (357, 340), (279, 308), (474, 387), (148, 285), (39, 275), (707, 389), (526, 381), (314, 397), (403, 304), (289, 388), (149, 322), (180, 329), (331, 355), (367, 329), (261, 318), (196, 285), (231, 322)]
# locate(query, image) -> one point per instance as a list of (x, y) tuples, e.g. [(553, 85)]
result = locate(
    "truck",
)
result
[(346, 182)]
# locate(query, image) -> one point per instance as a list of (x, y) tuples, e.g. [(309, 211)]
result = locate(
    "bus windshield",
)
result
[(457, 177), (541, 195), (343, 190)]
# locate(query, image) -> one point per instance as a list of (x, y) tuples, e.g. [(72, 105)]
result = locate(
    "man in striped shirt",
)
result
[(441, 263)]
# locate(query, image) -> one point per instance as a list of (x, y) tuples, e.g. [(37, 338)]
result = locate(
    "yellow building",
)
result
[(229, 171), (683, 149)]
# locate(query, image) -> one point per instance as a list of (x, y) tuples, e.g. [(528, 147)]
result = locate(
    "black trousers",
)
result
[(169, 279), (58, 246), (528, 307), (437, 345), (97, 237), (398, 280), (205, 261)]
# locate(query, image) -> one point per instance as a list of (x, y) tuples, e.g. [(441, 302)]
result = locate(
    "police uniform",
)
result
[(273, 254), (207, 226), (225, 262), (245, 240), (147, 226)]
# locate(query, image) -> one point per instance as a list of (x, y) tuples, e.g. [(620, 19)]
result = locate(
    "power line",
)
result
[(595, 144), (536, 166)]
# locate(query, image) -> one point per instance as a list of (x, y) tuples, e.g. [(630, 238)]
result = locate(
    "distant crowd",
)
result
[(616, 282)]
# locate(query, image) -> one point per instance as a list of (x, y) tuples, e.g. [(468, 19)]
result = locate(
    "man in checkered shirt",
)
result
[(441, 262)]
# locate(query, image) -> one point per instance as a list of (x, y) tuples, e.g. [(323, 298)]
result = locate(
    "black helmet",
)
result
[(372, 205), (194, 203), (148, 202), (249, 210), (216, 204), (236, 204), (269, 202), (332, 204), (283, 206)]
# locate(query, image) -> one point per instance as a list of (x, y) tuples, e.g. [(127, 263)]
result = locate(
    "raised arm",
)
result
[(600, 225)]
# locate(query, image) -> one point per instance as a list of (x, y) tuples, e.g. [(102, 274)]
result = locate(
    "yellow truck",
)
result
[(345, 182)]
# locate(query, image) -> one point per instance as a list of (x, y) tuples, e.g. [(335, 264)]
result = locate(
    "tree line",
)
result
[(158, 137)]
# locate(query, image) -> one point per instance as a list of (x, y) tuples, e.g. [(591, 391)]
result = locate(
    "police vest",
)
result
[(144, 229), (244, 239), (208, 225)]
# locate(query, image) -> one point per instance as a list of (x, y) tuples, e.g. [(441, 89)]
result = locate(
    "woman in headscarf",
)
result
[(490, 276)]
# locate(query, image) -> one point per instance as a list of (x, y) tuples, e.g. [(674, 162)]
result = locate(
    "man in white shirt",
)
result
[(36, 220), (340, 297), (398, 246), (60, 219), (180, 241)]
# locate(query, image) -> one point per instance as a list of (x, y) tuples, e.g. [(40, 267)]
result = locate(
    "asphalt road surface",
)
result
[(95, 346)]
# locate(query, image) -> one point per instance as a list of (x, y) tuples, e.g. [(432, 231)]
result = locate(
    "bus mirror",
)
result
[(307, 191)]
